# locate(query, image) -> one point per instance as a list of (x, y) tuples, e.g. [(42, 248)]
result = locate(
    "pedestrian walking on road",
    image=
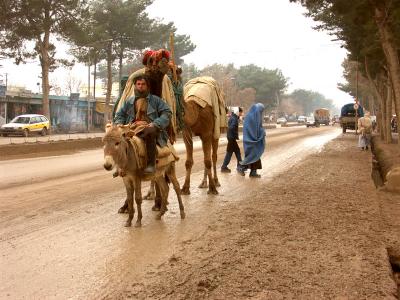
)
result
[(232, 136), (365, 127), (253, 140)]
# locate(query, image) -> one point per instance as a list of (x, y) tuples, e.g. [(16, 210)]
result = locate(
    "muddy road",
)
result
[(61, 236)]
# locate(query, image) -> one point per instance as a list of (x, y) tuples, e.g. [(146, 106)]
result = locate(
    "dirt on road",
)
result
[(315, 232), (311, 227), (40, 149)]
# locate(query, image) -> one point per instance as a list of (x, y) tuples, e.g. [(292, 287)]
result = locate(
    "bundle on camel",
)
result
[(205, 91)]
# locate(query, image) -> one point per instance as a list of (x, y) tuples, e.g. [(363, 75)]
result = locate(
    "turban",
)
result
[(147, 54)]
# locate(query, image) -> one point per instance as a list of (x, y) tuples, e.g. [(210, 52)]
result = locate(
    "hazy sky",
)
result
[(268, 33)]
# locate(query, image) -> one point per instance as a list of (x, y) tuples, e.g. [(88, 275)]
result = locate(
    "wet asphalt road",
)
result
[(60, 235)]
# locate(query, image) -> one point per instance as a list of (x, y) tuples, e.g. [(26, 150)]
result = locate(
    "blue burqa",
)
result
[(253, 135)]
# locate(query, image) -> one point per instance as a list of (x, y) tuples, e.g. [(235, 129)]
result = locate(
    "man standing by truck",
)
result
[(365, 128)]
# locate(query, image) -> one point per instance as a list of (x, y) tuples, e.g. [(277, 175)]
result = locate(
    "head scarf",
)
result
[(253, 134)]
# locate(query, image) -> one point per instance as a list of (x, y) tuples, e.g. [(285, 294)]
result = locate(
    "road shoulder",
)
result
[(314, 232)]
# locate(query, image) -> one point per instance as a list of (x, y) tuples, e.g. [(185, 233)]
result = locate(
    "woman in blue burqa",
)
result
[(253, 140)]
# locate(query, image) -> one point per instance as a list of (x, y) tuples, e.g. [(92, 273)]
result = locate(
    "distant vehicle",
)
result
[(322, 116), (310, 122), (291, 119), (335, 119), (348, 116), (301, 119), (281, 121), (25, 125)]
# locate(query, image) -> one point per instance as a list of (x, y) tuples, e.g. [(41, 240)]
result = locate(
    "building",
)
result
[(69, 112)]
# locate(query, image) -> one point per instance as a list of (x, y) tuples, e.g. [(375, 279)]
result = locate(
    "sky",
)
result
[(268, 33)]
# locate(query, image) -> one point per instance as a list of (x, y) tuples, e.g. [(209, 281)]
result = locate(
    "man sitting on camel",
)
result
[(151, 111)]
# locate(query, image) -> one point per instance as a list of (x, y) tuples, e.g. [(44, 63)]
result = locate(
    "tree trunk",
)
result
[(94, 78), (391, 54), (45, 64), (109, 82), (380, 99), (380, 124), (383, 109), (389, 108)]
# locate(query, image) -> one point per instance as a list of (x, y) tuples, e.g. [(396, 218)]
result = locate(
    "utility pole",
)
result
[(88, 97)]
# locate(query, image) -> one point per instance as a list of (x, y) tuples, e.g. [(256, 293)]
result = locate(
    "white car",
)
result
[(25, 125), (301, 119), (281, 121), (311, 122)]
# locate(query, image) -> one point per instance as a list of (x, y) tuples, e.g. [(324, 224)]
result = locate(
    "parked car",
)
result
[(25, 125), (301, 119), (311, 122), (281, 121)]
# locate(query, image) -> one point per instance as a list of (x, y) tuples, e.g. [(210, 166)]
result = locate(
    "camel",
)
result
[(200, 120), (119, 152)]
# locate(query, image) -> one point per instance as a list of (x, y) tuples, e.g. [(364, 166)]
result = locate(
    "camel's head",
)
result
[(115, 146)]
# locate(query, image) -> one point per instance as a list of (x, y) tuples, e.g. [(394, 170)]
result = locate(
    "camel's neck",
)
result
[(156, 79)]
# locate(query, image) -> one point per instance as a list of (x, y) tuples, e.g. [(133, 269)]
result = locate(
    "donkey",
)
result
[(118, 151)]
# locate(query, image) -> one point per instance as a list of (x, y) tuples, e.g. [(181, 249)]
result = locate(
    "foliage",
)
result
[(28, 29), (269, 84), (306, 102)]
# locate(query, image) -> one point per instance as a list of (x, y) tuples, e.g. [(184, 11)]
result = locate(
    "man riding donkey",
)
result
[(159, 84), (149, 116)]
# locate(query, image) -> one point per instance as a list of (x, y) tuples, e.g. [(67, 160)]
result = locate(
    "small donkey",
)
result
[(118, 151)]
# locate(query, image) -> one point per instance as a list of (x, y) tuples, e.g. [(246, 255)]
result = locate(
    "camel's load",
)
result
[(205, 91)]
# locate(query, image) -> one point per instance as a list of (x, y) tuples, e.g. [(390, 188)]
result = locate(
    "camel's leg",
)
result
[(138, 200), (204, 184), (124, 208), (151, 193), (172, 177), (129, 196), (214, 160), (187, 138), (207, 163), (160, 181)]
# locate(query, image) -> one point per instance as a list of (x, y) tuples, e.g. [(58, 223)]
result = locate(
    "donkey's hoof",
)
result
[(158, 217), (183, 215), (203, 185), (138, 224), (122, 210), (128, 223), (212, 192), (185, 191), (155, 208), (217, 183)]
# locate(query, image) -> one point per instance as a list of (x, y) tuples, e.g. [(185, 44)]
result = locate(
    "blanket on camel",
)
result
[(205, 91), (167, 95)]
